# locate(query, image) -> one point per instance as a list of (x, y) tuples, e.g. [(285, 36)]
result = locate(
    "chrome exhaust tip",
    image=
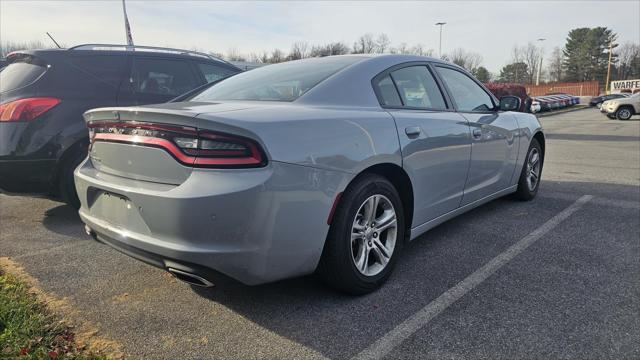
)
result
[(189, 278)]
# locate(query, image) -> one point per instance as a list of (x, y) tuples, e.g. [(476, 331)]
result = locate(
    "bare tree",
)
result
[(556, 67), (336, 48), (382, 43), (421, 50), (531, 57), (365, 44), (264, 57), (402, 48), (234, 55), (277, 56), (467, 59), (299, 50), (254, 57), (628, 61)]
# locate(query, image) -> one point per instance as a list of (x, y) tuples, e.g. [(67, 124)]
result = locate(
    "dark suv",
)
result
[(43, 94)]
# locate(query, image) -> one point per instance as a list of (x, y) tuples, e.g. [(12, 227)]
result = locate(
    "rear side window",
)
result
[(20, 74), (466, 93), (418, 88), (213, 73), (162, 76), (387, 92), (278, 82), (108, 69)]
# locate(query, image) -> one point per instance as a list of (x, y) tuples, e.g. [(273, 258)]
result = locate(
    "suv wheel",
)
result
[(67, 184), (365, 238), (624, 113)]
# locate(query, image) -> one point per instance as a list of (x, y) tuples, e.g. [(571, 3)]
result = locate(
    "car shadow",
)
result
[(64, 220), (338, 326)]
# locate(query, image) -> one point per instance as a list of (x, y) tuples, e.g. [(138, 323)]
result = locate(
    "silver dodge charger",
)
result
[(327, 165)]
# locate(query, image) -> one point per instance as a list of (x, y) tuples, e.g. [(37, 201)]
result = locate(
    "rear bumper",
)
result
[(253, 225), (27, 177)]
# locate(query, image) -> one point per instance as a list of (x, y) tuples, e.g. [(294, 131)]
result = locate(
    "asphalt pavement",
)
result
[(557, 277)]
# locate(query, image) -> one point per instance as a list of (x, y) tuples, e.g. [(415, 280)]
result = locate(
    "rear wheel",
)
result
[(365, 238), (531, 172), (67, 183), (624, 113)]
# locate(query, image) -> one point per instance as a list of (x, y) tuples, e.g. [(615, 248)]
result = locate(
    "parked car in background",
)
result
[(536, 107), (43, 94), (622, 108), (598, 100), (324, 164)]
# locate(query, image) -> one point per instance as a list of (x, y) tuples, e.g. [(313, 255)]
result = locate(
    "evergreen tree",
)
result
[(587, 53), (517, 73), (482, 74)]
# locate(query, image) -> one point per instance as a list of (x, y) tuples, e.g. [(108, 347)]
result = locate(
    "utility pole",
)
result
[(440, 46), (606, 85), (127, 28), (539, 66)]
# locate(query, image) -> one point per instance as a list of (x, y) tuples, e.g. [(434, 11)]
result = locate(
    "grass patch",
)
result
[(28, 330)]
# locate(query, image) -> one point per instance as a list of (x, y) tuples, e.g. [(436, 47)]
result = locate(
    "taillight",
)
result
[(188, 145), (26, 109)]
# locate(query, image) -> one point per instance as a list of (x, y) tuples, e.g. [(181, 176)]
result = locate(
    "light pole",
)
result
[(606, 85), (539, 66), (440, 46)]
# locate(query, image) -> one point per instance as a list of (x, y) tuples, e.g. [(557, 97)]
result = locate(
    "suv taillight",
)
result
[(26, 109), (188, 145)]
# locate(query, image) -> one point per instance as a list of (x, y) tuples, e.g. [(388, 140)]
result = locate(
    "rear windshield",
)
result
[(21, 73), (279, 82)]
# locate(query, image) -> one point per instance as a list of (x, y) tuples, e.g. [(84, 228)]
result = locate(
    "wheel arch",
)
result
[(401, 181), (541, 140), (81, 145)]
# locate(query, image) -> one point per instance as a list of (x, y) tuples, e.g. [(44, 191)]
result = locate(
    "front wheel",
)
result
[(529, 181), (365, 238), (624, 113)]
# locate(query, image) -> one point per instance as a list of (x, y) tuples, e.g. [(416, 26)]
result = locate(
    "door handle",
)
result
[(412, 130), (477, 133)]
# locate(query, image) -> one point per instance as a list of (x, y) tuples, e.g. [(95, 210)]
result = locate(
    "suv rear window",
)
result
[(21, 73)]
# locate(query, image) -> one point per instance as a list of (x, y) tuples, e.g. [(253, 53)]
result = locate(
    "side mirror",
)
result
[(510, 103)]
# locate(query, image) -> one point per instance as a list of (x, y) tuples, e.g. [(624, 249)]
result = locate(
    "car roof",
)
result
[(111, 49), (351, 86)]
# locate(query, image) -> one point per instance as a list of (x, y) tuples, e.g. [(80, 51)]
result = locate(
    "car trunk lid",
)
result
[(164, 143)]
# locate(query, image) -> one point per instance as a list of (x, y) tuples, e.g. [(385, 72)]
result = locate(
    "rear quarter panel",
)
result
[(340, 139)]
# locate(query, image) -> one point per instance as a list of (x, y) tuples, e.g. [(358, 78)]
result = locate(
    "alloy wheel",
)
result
[(533, 169), (373, 235)]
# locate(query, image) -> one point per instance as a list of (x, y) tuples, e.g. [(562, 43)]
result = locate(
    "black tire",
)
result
[(624, 113), (67, 184), (524, 191), (337, 268)]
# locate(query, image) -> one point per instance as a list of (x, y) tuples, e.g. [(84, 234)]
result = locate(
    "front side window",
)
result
[(213, 73), (162, 76), (279, 82), (418, 88), (466, 93)]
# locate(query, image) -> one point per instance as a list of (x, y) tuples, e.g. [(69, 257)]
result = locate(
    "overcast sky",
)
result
[(490, 28)]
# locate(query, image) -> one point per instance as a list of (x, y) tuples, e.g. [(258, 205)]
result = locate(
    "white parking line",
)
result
[(404, 330)]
